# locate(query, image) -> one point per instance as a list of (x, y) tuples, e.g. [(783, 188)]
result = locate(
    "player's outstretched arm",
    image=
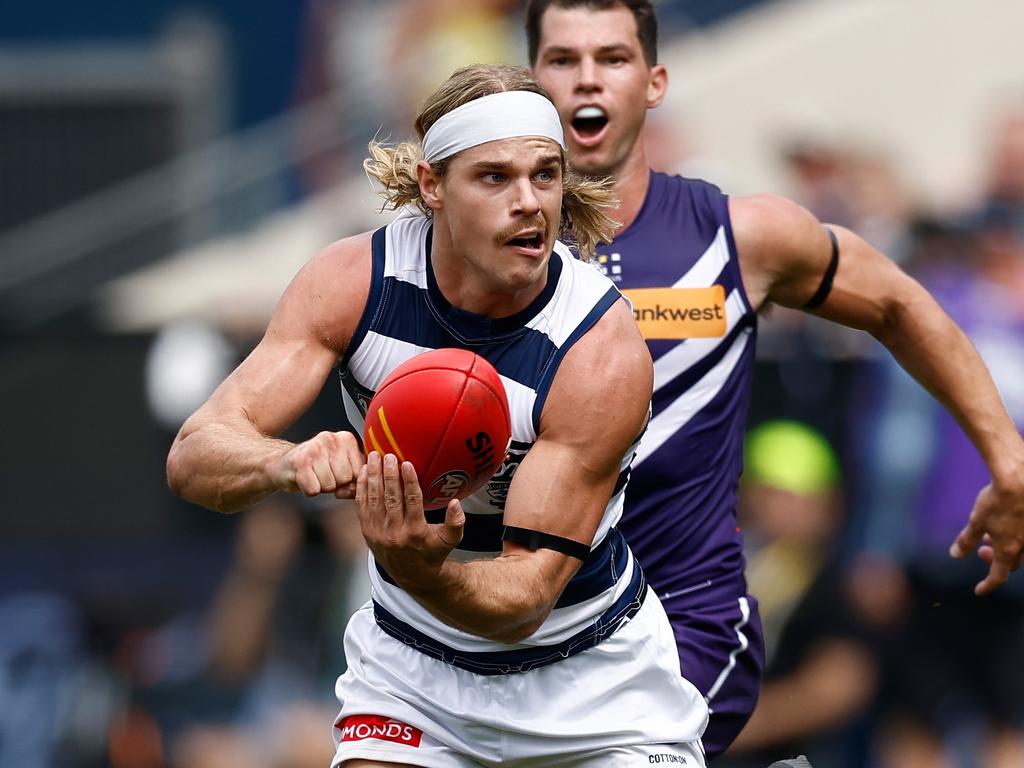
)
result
[(594, 411), (784, 252), (226, 456)]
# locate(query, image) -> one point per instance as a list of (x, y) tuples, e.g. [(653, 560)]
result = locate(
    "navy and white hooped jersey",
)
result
[(406, 314), (680, 512)]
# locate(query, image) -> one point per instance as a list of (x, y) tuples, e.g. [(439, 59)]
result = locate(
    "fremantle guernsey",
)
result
[(679, 516), (406, 314)]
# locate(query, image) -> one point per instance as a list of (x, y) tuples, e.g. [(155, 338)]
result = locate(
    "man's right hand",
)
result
[(326, 463)]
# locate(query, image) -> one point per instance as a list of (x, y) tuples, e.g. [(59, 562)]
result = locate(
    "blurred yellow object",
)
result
[(791, 456)]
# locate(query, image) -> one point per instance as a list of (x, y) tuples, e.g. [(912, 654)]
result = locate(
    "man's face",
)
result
[(501, 202), (592, 64)]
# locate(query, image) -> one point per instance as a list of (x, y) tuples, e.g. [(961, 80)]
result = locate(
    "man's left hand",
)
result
[(390, 501), (996, 530)]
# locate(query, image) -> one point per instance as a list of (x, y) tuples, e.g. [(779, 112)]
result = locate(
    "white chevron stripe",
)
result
[(378, 355), (560, 625), (683, 408), (742, 645), (709, 265), (403, 254), (561, 318), (520, 403), (352, 412), (682, 356)]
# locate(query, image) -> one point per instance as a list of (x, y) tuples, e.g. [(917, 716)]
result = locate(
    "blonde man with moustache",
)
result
[(513, 628)]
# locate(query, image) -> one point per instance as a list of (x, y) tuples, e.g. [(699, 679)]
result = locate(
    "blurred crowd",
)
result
[(414, 45), (856, 483), (879, 653)]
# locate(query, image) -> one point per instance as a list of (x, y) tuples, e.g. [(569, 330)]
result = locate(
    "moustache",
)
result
[(536, 222)]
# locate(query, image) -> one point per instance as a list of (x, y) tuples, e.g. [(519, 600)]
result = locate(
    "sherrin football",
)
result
[(446, 412)]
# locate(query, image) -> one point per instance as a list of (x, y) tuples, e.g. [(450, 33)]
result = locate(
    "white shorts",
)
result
[(620, 703)]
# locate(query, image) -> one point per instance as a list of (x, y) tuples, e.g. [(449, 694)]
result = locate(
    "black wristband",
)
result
[(826, 282), (538, 540)]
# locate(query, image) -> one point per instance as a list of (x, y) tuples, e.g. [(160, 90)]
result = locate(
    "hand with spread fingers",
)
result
[(996, 530), (394, 525)]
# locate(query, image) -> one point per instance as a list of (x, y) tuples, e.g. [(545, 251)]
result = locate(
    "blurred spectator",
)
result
[(1006, 173), (250, 681), (414, 44), (351, 98), (855, 188), (823, 667), (821, 684), (852, 187), (433, 38), (956, 691), (41, 660), (789, 510)]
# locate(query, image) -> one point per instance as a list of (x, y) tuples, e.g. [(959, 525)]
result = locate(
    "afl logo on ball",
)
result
[(447, 486)]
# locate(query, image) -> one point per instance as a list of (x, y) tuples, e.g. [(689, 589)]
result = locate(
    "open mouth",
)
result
[(532, 242), (588, 122)]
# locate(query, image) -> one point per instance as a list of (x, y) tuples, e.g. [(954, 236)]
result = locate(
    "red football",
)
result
[(446, 412)]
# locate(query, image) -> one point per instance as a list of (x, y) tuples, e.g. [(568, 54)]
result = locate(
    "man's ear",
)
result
[(431, 187), (657, 84)]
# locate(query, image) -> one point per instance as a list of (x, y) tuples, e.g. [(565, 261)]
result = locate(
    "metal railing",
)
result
[(55, 262)]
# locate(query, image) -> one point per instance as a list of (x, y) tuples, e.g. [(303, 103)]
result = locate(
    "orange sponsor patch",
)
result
[(679, 313)]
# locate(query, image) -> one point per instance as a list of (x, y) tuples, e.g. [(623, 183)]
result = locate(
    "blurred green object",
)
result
[(791, 456)]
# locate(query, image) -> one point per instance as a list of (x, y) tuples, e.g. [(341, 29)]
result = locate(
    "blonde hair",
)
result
[(584, 222)]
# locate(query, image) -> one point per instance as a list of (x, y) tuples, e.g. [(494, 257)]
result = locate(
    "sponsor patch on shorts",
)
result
[(360, 727)]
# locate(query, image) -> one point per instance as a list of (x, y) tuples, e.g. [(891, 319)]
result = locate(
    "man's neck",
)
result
[(631, 182)]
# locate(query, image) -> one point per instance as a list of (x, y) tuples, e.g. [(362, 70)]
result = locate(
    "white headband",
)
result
[(505, 115)]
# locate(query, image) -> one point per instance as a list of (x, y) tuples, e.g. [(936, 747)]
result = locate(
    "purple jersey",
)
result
[(680, 513), (680, 506)]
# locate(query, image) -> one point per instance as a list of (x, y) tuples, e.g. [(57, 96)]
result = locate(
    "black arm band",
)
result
[(538, 540), (826, 282)]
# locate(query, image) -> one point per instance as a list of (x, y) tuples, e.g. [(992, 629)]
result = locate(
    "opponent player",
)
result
[(725, 257), (515, 626)]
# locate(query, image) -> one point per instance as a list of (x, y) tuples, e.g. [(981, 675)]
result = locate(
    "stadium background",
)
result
[(166, 166)]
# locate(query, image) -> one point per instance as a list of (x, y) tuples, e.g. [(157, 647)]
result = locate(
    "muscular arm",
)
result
[(226, 456), (594, 411), (784, 252)]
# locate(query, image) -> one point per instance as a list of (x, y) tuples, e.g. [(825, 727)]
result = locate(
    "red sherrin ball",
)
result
[(446, 412)]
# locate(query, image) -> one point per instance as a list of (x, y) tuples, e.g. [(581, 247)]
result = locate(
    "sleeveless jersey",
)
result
[(679, 516), (406, 314)]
